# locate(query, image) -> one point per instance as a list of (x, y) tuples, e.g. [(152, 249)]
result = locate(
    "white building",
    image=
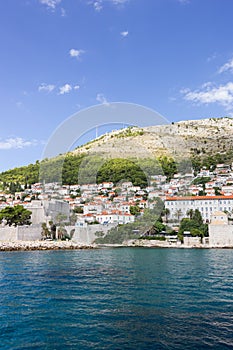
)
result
[(178, 206), (115, 217), (220, 232), (92, 208)]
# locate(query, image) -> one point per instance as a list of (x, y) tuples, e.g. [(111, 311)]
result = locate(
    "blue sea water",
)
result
[(129, 298)]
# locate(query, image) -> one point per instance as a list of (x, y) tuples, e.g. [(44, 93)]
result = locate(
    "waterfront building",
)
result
[(178, 206), (220, 232)]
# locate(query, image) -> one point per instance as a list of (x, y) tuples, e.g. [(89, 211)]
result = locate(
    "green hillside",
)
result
[(134, 154)]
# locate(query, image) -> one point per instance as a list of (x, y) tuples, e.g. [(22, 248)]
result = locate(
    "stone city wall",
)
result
[(87, 235), (20, 233), (221, 235)]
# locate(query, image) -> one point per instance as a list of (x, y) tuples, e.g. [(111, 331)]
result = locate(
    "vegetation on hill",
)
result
[(116, 170), (130, 132), (26, 174), (211, 160), (205, 142), (88, 169), (92, 168)]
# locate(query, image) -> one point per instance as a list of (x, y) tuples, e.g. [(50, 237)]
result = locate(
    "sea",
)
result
[(121, 298)]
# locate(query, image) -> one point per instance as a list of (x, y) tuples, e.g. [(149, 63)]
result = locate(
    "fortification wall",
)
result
[(20, 233), (87, 235), (38, 215), (8, 233), (29, 233), (192, 241), (221, 235)]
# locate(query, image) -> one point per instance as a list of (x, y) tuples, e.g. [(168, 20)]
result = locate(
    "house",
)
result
[(114, 217), (92, 208), (124, 207)]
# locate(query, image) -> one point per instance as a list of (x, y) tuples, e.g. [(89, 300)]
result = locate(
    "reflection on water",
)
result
[(131, 298)]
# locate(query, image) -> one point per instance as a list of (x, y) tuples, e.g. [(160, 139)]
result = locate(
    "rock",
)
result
[(42, 245)]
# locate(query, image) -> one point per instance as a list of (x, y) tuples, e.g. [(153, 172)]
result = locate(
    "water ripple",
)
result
[(116, 299)]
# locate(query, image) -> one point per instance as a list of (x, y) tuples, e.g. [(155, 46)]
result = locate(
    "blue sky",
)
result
[(61, 56)]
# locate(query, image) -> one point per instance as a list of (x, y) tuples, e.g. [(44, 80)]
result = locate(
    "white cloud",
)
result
[(125, 34), (76, 53), (102, 99), (119, 2), (50, 3), (63, 12), (19, 104), (226, 67), (99, 4), (16, 143), (76, 87), (184, 1), (212, 57), (46, 87), (65, 89), (209, 93)]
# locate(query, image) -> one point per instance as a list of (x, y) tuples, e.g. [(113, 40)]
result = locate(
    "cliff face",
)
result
[(181, 139)]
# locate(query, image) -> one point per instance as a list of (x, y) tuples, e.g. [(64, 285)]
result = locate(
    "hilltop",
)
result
[(182, 139), (204, 142)]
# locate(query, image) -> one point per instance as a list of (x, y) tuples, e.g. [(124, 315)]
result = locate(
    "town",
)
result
[(83, 210)]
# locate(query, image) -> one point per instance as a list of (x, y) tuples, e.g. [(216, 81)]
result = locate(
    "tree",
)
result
[(197, 217), (190, 213), (53, 229), (168, 166), (178, 214), (73, 218), (134, 210), (17, 216), (78, 210), (45, 233), (159, 227), (194, 225), (166, 213), (217, 191), (119, 169), (60, 218)]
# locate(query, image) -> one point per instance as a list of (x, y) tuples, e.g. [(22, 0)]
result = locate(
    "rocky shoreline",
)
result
[(43, 245)]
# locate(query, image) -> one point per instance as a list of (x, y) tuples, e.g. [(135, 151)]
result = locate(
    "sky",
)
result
[(59, 57)]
